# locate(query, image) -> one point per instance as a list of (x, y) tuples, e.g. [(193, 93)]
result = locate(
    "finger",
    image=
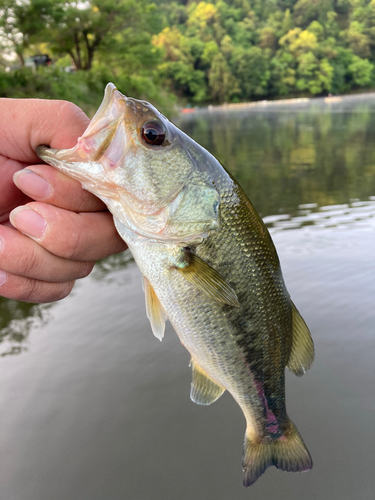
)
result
[(22, 256), (84, 236), (10, 196), (28, 290), (54, 123), (44, 183)]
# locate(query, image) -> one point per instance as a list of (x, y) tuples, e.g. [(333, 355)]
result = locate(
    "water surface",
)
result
[(93, 407)]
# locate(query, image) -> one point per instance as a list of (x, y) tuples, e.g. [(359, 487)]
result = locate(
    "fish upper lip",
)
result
[(111, 96), (110, 91)]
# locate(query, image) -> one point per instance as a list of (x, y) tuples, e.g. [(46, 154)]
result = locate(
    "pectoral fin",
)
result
[(204, 390), (207, 280), (301, 354), (154, 310)]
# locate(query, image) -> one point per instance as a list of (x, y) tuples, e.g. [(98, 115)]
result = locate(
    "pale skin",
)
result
[(51, 230)]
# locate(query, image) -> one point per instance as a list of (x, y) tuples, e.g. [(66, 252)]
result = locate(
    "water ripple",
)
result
[(358, 214)]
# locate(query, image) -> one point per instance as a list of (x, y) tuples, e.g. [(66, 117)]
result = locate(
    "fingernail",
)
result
[(32, 184), (3, 277), (28, 222)]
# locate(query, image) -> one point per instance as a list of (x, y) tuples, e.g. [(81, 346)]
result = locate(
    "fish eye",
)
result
[(154, 133)]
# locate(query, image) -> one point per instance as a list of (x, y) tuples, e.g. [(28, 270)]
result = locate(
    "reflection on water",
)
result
[(108, 269), (294, 155), (96, 408), (356, 214), (16, 321), (18, 318)]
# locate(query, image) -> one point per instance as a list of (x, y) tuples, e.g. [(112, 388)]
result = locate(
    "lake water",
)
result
[(93, 407)]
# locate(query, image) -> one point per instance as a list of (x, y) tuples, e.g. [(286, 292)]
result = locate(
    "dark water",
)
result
[(93, 407)]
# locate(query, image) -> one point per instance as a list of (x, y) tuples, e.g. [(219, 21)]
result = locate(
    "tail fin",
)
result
[(287, 453)]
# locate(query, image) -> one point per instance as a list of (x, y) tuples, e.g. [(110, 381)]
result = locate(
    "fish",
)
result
[(209, 266)]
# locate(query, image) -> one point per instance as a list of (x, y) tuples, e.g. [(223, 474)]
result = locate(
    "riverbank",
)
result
[(281, 102)]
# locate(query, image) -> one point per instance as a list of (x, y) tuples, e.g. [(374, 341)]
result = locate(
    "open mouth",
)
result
[(103, 134)]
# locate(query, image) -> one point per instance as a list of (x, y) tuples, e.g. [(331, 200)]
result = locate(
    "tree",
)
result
[(70, 27), (361, 70), (314, 75), (221, 81), (358, 41), (251, 69), (298, 42), (283, 73), (181, 56), (81, 31), (287, 22), (306, 11), (18, 26)]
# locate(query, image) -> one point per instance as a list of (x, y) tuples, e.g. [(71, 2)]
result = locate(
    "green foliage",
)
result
[(221, 81), (341, 79), (357, 39), (283, 74), (251, 69), (361, 71), (262, 48), (314, 75), (306, 11), (101, 41), (84, 88), (200, 51)]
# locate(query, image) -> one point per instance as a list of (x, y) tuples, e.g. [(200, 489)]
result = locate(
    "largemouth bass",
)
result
[(208, 264)]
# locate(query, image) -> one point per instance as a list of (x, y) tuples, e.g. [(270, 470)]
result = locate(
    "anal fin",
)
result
[(154, 310), (301, 354), (204, 390)]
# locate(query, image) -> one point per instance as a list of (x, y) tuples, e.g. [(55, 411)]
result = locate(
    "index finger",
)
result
[(45, 183), (27, 123)]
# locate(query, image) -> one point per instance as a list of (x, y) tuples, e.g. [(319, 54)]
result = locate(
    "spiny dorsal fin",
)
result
[(204, 390), (301, 354), (154, 310), (208, 281)]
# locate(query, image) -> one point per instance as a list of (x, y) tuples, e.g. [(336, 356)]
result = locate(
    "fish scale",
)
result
[(209, 266)]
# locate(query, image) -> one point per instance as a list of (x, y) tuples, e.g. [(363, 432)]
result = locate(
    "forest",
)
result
[(186, 52)]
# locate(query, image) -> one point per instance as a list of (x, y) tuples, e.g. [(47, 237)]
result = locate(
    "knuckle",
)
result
[(40, 291), (85, 200), (68, 111), (29, 263), (64, 290), (68, 108), (85, 269), (72, 245), (28, 290)]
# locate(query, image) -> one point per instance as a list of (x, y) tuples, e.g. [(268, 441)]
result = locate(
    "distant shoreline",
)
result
[(278, 102)]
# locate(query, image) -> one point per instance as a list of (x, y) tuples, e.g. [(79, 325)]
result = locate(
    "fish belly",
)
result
[(210, 332)]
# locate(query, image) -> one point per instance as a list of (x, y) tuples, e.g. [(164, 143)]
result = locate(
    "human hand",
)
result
[(60, 235)]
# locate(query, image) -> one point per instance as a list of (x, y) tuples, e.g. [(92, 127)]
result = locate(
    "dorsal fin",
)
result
[(204, 390), (207, 280), (301, 354), (154, 310)]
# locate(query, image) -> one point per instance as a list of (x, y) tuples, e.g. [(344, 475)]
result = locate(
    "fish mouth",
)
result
[(97, 138), (102, 129), (98, 150), (110, 93)]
